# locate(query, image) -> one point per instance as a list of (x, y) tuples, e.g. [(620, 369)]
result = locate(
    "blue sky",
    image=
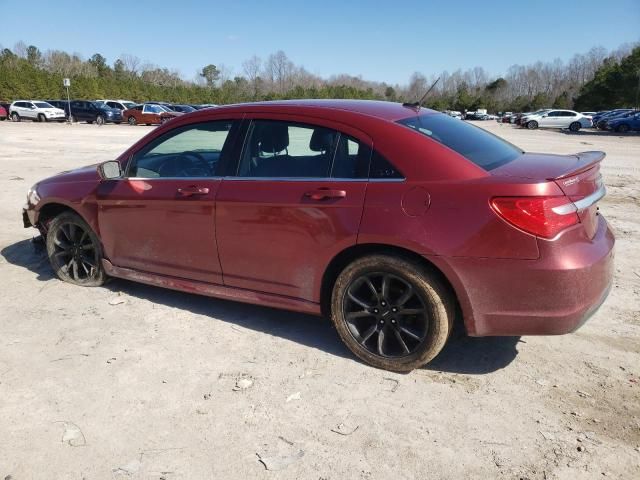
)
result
[(380, 40)]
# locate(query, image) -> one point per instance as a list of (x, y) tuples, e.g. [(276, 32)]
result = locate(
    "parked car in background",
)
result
[(3, 113), (35, 110), (574, 121), (148, 114), (600, 117), (89, 111), (204, 105), (121, 105), (589, 114), (183, 108), (625, 123), (323, 207), (604, 120)]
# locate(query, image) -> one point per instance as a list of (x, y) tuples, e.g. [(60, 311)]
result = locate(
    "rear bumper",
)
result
[(552, 295)]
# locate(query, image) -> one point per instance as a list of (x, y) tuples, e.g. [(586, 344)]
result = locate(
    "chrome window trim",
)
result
[(169, 178), (582, 204), (296, 179), (275, 179)]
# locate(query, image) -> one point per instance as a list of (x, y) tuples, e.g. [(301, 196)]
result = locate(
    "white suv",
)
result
[(574, 121), (36, 110), (121, 105)]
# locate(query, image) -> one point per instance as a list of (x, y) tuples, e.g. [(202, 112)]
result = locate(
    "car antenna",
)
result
[(418, 104)]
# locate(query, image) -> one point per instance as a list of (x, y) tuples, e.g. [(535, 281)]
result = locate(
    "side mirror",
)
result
[(109, 170)]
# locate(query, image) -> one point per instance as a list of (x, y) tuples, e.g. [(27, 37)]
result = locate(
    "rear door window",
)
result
[(474, 143), (279, 149)]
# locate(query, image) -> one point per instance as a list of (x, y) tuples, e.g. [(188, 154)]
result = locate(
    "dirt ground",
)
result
[(131, 381)]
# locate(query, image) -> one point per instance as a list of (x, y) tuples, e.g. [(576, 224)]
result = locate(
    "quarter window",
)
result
[(191, 151)]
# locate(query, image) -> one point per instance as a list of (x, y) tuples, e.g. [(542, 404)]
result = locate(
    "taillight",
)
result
[(541, 216)]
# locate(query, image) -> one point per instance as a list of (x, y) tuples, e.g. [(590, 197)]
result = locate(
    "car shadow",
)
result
[(462, 354)]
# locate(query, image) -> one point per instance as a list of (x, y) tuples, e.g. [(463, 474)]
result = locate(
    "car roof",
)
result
[(390, 111)]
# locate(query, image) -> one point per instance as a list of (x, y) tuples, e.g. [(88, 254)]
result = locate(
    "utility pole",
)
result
[(67, 83)]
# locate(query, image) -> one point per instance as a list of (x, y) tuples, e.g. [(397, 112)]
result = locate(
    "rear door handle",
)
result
[(325, 193), (192, 190)]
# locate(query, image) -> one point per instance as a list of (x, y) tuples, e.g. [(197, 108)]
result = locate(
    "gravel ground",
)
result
[(131, 381)]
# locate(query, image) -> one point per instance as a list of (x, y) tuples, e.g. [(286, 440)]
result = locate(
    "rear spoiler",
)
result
[(586, 160)]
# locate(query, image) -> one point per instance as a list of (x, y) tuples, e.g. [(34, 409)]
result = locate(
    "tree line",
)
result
[(593, 80)]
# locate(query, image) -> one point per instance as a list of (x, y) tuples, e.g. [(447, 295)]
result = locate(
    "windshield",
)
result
[(164, 108), (185, 108), (99, 105), (128, 104), (43, 105), (481, 147)]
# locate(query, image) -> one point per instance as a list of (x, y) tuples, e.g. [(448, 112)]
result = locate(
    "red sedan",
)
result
[(395, 221)]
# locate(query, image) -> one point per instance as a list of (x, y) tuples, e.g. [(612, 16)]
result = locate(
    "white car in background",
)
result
[(121, 105), (574, 121), (35, 110)]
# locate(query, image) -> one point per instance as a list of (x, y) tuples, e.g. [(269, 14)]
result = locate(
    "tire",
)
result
[(41, 118), (622, 128), (374, 328), (15, 117), (575, 126), (117, 123), (100, 120), (131, 120), (532, 125), (74, 251)]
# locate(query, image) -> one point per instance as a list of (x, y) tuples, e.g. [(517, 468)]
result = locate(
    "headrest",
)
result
[(322, 140), (273, 137)]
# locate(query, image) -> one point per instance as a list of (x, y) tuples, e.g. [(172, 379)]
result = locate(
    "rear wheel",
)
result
[(575, 126), (532, 125), (74, 251), (622, 128), (131, 120), (15, 117), (391, 312)]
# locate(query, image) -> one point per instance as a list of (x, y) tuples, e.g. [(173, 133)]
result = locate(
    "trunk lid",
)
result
[(578, 176)]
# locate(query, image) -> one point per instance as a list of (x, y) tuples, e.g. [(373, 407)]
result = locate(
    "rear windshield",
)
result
[(481, 147)]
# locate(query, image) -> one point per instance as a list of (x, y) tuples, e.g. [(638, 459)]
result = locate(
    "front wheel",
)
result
[(575, 126), (99, 120), (532, 125), (391, 312), (42, 118), (622, 128), (74, 251)]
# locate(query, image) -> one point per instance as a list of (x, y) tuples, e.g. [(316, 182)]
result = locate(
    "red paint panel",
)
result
[(273, 238), (148, 225)]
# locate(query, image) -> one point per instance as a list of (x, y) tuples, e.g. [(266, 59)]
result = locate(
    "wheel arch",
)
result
[(349, 254)]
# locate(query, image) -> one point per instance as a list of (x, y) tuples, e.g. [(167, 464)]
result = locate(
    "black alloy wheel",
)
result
[(385, 315), (392, 313), (74, 251)]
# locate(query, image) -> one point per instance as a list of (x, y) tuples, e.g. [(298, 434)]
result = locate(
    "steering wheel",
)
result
[(175, 167)]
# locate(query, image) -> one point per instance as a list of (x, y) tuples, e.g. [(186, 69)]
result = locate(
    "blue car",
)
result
[(625, 123), (601, 121)]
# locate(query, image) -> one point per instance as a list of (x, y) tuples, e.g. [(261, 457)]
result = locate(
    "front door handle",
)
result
[(192, 190), (325, 193)]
